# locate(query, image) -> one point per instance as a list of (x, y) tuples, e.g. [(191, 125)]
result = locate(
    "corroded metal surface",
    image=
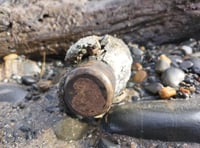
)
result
[(89, 89)]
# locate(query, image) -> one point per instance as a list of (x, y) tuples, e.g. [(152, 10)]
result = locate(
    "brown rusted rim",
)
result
[(101, 74)]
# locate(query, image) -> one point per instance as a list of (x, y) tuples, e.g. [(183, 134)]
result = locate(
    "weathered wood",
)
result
[(33, 26)]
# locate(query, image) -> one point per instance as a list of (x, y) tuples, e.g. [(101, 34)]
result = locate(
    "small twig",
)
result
[(43, 64)]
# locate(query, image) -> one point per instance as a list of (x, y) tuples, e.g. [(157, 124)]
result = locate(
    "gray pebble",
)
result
[(136, 51), (172, 77), (187, 49), (162, 65), (35, 98), (11, 92), (25, 128), (152, 79), (28, 80), (176, 59), (137, 54), (153, 87), (196, 66), (186, 65), (52, 109)]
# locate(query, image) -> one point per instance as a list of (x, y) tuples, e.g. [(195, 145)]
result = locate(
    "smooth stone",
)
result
[(50, 97), (135, 98), (185, 65), (11, 92), (105, 143), (136, 53), (162, 65), (70, 129), (140, 76), (153, 88), (187, 49), (30, 68), (172, 77), (135, 50), (25, 128), (137, 66), (44, 85), (196, 70), (165, 58), (36, 97), (196, 66), (52, 109), (28, 80), (11, 56), (176, 59), (167, 92), (141, 92), (152, 79)]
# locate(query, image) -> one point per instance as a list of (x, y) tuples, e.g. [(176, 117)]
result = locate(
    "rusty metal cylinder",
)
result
[(100, 69)]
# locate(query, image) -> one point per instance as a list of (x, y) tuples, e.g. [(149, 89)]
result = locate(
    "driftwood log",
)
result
[(31, 27)]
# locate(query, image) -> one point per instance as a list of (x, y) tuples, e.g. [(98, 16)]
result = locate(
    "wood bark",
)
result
[(31, 27)]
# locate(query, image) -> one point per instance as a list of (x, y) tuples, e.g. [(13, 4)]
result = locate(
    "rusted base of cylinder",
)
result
[(89, 89), (86, 95)]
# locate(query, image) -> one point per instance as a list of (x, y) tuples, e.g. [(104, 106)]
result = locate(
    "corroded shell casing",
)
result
[(101, 67)]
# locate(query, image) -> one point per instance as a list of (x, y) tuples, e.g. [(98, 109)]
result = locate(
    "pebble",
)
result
[(25, 128), (11, 92), (135, 98), (44, 85), (187, 49), (52, 109), (28, 80), (153, 88), (11, 56), (50, 97), (189, 79), (140, 76), (172, 77), (196, 66), (162, 65), (176, 59), (28, 96), (185, 65), (192, 89), (152, 79), (165, 58), (184, 90), (30, 68), (167, 92), (35, 98), (70, 129), (137, 66), (136, 53)]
